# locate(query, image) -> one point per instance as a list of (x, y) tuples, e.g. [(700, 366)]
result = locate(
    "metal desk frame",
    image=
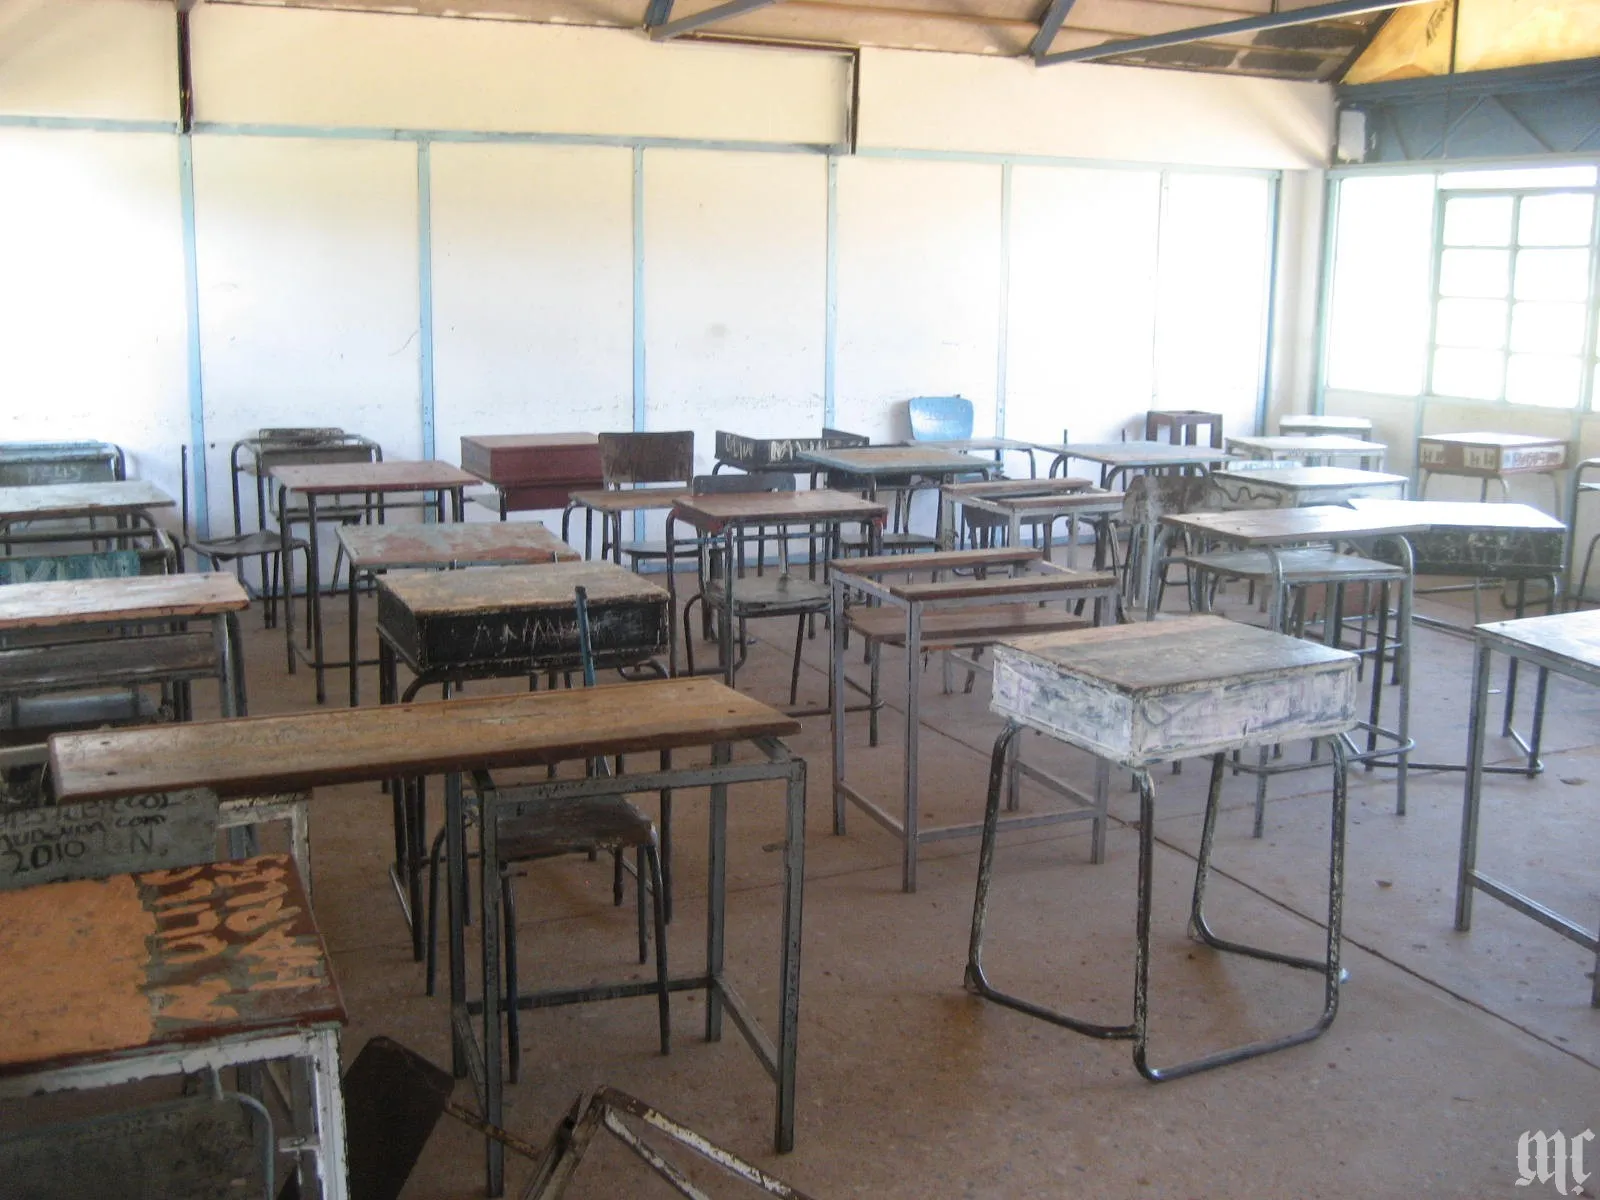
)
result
[(847, 577), (1505, 637), (471, 1055)]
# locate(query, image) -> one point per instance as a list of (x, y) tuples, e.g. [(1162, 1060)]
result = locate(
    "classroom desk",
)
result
[(1118, 459), (533, 471), (174, 972), (1024, 501), (611, 503), (1301, 487), (729, 514), (985, 445), (120, 500), (316, 481), (483, 734), (1492, 456), (375, 548), (70, 607), (33, 463), (1310, 424), (946, 614), (1314, 449), (900, 466), (1139, 695), (1277, 544), (1568, 644), (754, 454), (495, 623)]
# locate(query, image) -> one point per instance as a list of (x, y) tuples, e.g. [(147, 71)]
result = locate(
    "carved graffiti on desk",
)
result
[(51, 843)]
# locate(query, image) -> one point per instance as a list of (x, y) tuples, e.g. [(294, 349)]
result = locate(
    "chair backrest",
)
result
[(24, 464), (735, 483), (61, 568), (628, 458), (939, 418)]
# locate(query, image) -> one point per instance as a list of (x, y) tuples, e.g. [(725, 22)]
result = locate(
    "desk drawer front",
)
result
[(577, 464), (1158, 725), (1489, 461), (1489, 553), (514, 641)]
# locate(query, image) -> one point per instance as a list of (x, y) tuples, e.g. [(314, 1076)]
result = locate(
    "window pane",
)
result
[(1383, 256), (1547, 328), (1551, 275), (1476, 324), (1560, 220), (1548, 380), (1471, 374), (1478, 221), (1518, 177), (1476, 273)]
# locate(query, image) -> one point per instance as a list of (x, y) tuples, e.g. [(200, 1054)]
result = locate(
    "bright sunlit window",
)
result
[(1475, 285)]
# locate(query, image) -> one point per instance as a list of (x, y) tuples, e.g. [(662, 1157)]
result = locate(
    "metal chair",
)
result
[(780, 595), (263, 544), (636, 459), (552, 829)]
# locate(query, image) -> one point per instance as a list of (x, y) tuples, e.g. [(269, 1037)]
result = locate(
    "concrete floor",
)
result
[(1446, 1048)]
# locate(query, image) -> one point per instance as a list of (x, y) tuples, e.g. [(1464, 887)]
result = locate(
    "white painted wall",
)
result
[(307, 254), (92, 340), (308, 247), (919, 290), (1088, 110)]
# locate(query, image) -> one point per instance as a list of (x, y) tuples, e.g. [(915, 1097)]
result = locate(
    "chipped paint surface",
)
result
[(177, 955), (752, 454)]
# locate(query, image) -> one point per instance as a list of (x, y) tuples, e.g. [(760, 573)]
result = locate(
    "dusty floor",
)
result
[(1447, 1047)]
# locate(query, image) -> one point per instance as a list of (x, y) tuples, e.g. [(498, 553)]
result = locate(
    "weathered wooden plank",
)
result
[(1049, 580), (107, 662), (1147, 693), (328, 746), (1001, 489), (946, 560), (376, 547), (1287, 526), (756, 454), (136, 962), (638, 499), (393, 475), (944, 628), (65, 501), (103, 601), (1572, 638), (717, 510), (1136, 454), (49, 843), (1490, 455), (34, 464)]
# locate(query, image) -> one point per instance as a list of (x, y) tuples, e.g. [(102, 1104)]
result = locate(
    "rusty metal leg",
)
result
[(653, 864), (508, 898)]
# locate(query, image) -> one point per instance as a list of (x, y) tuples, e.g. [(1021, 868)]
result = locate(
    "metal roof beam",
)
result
[(1050, 26), (658, 13), (1277, 20), (733, 8)]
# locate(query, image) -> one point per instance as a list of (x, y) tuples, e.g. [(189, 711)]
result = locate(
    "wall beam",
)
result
[(1054, 17), (733, 8)]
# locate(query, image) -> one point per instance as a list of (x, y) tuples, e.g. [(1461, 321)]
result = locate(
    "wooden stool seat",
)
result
[(573, 826), (951, 628)]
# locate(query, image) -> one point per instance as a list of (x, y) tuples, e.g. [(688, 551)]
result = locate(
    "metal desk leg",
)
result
[(1477, 724), (355, 639), (909, 831), (493, 988), (286, 561), (794, 863), (314, 592), (836, 699), (726, 638), (716, 894)]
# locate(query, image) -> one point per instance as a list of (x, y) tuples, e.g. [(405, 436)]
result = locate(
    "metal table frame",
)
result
[(1025, 500), (471, 1055), (437, 491), (1506, 637), (850, 576)]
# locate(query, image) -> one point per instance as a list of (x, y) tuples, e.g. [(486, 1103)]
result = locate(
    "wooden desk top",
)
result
[(1299, 478), (1003, 489), (1138, 453), (718, 510), (1460, 514), (1310, 444), (100, 601), (1181, 652), (355, 745), (158, 960), (939, 560), (961, 445), (532, 441), (497, 589), (1290, 526), (923, 459), (1481, 438), (639, 499), (395, 475), (56, 501), (1044, 581), (1572, 638), (372, 547), (1322, 422)]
